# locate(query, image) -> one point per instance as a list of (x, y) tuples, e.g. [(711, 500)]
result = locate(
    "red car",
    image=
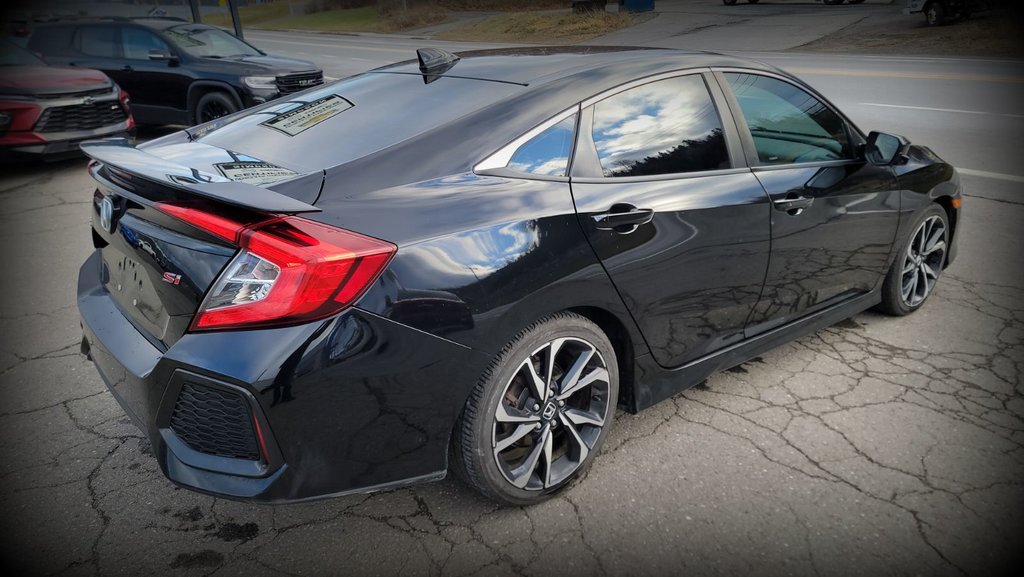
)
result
[(46, 111)]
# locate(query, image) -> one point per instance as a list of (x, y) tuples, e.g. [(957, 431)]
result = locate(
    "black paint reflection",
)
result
[(836, 248)]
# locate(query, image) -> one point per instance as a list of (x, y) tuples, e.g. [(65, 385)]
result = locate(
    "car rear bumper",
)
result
[(352, 404)]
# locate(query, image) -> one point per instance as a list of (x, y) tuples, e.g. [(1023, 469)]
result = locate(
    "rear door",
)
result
[(679, 222), (99, 47), (834, 215)]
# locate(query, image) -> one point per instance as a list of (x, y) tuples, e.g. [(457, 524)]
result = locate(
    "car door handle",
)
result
[(127, 68), (623, 218), (793, 204)]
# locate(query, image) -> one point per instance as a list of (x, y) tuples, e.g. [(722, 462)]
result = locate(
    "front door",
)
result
[(834, 215), (681, 227)]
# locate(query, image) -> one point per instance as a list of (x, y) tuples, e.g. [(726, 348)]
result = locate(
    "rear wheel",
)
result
[(213, 105), (915, 270), (935, 13), (540, 413)]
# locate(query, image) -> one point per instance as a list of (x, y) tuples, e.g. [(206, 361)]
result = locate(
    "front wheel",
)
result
[(539, 414), (917, 267), (213, 105)]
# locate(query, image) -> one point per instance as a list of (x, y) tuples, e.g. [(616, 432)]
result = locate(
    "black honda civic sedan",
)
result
[(470, 263)]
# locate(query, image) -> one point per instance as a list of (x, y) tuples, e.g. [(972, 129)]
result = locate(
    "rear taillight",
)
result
[(289, 270)]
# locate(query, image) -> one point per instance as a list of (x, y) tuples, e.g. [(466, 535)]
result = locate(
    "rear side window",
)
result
[(666, 127), (547, 154), (98, 41), (788, 124), (52, 40)]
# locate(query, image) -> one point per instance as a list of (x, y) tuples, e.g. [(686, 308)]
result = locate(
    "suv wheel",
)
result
[(935, 13), (213, 105), (540, 413)]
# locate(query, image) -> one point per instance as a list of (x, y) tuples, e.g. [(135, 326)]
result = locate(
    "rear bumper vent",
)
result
[(215, 422)]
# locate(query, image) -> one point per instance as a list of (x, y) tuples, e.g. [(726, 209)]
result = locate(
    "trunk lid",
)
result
[(156, 268)]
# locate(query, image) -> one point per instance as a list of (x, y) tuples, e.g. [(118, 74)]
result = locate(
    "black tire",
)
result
[(935, 13), (729, 2), (921, 248), (542, 453), (213, 105)]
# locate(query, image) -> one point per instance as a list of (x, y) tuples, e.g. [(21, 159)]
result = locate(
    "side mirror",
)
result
[(886, 149), (160, 55)]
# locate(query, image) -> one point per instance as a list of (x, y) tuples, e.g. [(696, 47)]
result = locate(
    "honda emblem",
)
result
[(107, 214)]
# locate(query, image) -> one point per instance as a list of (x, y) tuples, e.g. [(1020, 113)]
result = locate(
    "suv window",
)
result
[(666, 127), (98, 41), (52, 40), (547, 153), (137, 43), (788, 124)]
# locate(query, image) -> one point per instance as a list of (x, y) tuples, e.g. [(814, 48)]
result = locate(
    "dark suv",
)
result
[(177, 72)]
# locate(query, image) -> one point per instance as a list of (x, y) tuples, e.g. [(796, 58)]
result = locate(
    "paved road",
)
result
[(879, 446)]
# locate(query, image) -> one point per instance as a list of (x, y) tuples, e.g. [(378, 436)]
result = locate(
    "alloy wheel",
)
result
[(923, 261), (551, 414), (213, 110)]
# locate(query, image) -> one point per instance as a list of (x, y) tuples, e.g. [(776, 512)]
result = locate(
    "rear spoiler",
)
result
[(119, 153)]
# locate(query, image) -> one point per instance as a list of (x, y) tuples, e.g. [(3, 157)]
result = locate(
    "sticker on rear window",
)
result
[(308, 115), (257, 173)]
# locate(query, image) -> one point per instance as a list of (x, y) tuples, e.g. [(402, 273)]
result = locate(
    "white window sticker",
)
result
[(308, 115), (257, 173)]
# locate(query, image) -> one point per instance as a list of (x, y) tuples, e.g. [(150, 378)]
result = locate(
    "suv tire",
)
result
[(213, 105)]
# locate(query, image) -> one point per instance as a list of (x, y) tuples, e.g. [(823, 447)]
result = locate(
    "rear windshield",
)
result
[(340, 122)]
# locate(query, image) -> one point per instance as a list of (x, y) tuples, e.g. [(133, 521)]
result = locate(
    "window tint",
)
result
[(788, 124), (98, 41), (665, 127), (51, 40), (548, 152), (137, 43)]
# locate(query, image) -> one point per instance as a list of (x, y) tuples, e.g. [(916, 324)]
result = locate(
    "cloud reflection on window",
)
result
[(665, 127), (547, 153)]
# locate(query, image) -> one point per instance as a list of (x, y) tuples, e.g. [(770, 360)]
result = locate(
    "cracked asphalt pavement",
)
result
[(877, 446)]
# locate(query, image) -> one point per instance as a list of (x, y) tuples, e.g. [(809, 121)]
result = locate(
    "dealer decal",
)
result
[(308, 115), (256, 173)]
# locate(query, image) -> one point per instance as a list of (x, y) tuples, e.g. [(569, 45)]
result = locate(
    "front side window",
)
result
[(98, 41), (788, 124), (666, 127), (137, 43), (547, 153)]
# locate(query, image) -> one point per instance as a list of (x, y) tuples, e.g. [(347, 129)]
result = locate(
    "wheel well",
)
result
[(617, 333), (946, 202)]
